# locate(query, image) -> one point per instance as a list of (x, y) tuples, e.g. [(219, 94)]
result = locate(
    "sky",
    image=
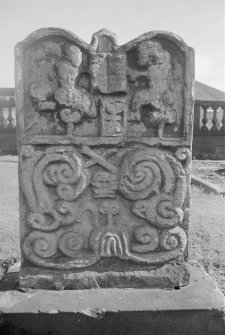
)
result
[(199, 22)]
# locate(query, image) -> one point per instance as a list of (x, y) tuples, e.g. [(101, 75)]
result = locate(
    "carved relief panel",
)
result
[(104, 145)]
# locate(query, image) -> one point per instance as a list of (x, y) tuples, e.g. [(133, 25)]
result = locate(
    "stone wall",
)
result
[(209, 147)]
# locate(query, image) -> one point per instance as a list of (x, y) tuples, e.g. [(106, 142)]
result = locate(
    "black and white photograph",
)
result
[(112, 167)]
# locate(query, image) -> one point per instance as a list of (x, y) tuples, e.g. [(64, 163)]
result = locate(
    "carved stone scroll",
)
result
[(104, 138)]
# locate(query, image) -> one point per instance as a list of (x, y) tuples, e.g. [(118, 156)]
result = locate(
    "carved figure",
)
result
[(79, 101), (42, 92), (153, 105)]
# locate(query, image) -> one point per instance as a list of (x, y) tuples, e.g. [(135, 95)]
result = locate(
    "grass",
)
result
[(206, 233)]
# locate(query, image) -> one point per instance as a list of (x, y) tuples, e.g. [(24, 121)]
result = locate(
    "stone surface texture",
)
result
[(104, 138)]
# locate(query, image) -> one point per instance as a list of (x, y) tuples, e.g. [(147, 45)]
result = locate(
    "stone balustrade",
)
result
[(209, 130), (7, 115), (209, 118), (209, 121), (7, 124)]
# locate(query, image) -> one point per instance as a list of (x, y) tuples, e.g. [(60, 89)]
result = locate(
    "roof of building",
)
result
[(201, 92), (207, 93), (7, 91)]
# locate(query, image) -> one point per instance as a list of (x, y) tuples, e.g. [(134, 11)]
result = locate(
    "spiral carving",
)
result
[(147, 237), (65, 212), (60, 169), (38, 244), (62, 173), (42, 221), (173, 238), (184, 154), (51, 219), (63, 169), (72, 235), (41, 249), (138, 180), (70, 242), (27, 151), (166, 192), (160, 211), (144, 173), (67, 192)]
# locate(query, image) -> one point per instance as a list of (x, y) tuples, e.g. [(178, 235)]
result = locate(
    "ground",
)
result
[(207, 219), (212, 171), (207, 233), (9, 208)]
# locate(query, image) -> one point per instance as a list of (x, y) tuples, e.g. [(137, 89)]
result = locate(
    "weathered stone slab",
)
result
[(104, 138), (169, 276), (196, 309)]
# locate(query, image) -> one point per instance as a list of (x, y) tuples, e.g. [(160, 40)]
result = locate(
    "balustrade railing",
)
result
[(7, 115), (209, 118)]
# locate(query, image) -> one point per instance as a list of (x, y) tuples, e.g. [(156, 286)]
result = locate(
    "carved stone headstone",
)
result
[(104, 138)]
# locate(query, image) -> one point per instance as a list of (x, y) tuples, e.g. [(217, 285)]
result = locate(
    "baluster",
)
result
[(1, 117), (214, 119), (205, 119), (197, 120), (14, 117), (5, 116), (10, 119), (223, 120)]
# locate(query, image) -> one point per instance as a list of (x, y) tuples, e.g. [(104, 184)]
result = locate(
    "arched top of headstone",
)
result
[(105, 35), (159, 35), (52, 32)]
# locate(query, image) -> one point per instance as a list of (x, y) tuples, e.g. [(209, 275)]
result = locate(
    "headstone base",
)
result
[(194, 309), (169, 276)]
